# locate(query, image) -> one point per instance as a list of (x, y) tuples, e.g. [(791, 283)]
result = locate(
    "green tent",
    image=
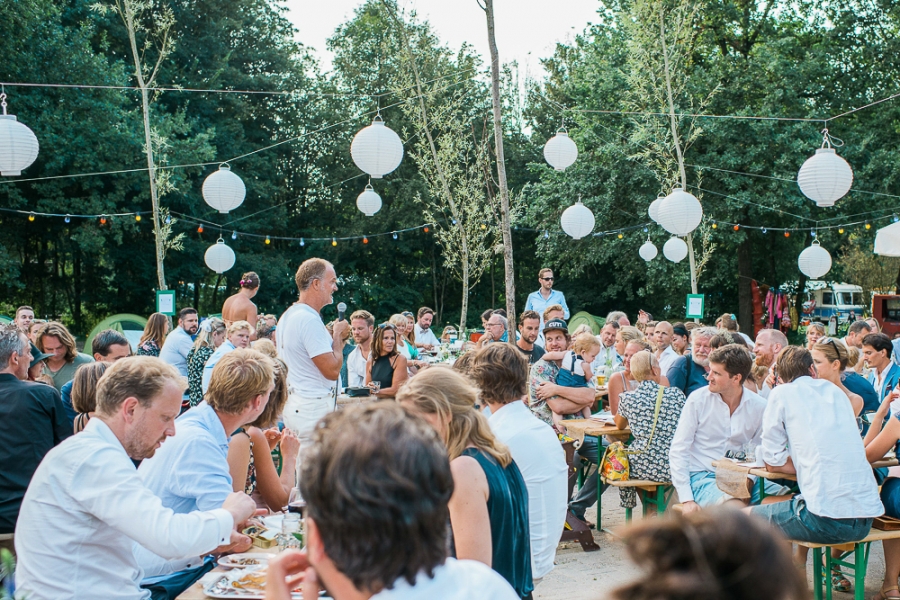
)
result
[(585, 318), (4, 320), (131, 326)]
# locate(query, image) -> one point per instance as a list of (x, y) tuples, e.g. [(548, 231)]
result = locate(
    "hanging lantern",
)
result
[(653, 211), (560, 151), (887, 240), (369, 202), (825, 177), (679, 213), (814, 261), (648, 251), (577, 220), (377, 149), (675, 249), (18, 144), (219, 257), (223, 190)]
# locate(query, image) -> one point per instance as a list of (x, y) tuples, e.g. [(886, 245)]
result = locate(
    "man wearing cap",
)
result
[(33, 422), (546, 398)]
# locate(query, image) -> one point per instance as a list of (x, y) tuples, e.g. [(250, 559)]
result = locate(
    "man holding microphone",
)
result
[(313, 356)]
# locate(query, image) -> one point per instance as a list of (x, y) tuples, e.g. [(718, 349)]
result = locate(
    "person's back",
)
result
[(240, 307), (859, 385), (453, 580), (686, 375)]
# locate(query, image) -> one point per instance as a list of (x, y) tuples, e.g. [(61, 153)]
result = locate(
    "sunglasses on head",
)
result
[(387, 326)]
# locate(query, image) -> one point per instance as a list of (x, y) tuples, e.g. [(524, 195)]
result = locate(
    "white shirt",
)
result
[(453, 580), (301, 337), (83, 512), (706, 431), (666, 359), (747, 339), (812, 422), (425, 336), (356, 367), (213, 360), (542, 461), (606, 357)]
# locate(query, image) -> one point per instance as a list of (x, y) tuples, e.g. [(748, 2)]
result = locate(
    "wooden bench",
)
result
[(859, 565), (656, 493)]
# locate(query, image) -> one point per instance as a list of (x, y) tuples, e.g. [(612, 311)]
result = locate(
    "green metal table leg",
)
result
[(827, 573), (762, 488), (817, 573), (861, 558), (627, 515), (660, 499), (600, 451)]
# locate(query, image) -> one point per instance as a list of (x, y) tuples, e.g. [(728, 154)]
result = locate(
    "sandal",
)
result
[(881, 594), (839, 583)]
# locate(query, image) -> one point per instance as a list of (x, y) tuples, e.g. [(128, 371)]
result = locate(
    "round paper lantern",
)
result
[(223, 190), (825, 177), (653, 211), (377, 149), (18, 145), (577, 220), (648, 251), (814, 261), (560, 151), (369, 202), (679, 213), (219, 257), (887, 240), (675, 249)]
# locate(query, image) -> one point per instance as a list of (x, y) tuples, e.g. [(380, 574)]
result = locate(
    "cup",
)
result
[(376, 387)]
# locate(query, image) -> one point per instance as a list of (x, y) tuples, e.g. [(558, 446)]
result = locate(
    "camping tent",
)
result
[(131, 326), (585, 318)]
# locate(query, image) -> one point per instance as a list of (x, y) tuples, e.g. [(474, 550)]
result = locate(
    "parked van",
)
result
[(827, 299)]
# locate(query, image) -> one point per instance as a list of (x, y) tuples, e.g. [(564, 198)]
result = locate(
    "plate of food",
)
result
[(245, 584), (246, 559)]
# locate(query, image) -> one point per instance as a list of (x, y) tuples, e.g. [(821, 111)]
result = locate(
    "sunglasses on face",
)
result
[(546, 279)]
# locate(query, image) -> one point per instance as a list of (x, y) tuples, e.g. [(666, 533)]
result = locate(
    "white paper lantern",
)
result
[(887, 240), (825, 177), (653, 211), (679, 213), (219, 257), (377, 149), (648, 251), (18, 145), (675, 249), (369, 202), (577, 220), (814, 261), (560, 151), (223, 190)]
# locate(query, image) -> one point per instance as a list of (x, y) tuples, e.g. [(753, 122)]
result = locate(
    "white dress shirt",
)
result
[(453, 580), (301, 337), (833, 474), (607, 357), (542, 461), (83, 512), (707, 430), (666, 359), (425, 336), (356, 367)]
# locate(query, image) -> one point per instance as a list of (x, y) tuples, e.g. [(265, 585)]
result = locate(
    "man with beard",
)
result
[(362, 326), (769, 342), (529, 328), (180, 341), (86, 505), (688, 373)]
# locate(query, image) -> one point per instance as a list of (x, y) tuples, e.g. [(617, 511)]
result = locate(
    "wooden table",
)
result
[(195, 592), (345, 400)]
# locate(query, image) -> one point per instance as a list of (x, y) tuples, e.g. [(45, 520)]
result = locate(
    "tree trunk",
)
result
[(197, 295), (151, 167), (745, 293), (215, 298), (505, 226), (77, 276)]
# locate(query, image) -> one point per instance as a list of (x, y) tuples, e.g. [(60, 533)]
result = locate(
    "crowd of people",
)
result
[(126, 474)]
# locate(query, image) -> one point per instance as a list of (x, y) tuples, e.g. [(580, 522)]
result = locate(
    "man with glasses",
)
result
[(546, 296), (497, 330)]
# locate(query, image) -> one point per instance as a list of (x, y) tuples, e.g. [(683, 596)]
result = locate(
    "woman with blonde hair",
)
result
[(624, 381), (627, 334), (814, 331), (489, 505), (210, 337), (406, 343), (154, 335), (84, 392)]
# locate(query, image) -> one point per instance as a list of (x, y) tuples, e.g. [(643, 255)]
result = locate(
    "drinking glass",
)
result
[(291, 531), (376, 387)]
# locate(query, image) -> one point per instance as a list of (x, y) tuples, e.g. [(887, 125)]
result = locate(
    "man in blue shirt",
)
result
[(538, 301), (190, 471), (688, 373), (181, 340)]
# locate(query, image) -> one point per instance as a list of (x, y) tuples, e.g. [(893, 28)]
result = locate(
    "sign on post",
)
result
[(165, 302), (694, 306)]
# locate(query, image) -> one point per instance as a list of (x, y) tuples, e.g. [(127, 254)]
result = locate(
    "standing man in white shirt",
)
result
[(313, 356), (829, 509), (546, 296), (719, 418), (362, 326), (86, 505), (665, 354), (500, 373), (425, 338)]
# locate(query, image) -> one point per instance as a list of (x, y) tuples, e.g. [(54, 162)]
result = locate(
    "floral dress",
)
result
[(148, 348), (196, 360), (639, 406)]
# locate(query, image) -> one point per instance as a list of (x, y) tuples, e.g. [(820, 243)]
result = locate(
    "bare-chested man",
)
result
[(240, 307)]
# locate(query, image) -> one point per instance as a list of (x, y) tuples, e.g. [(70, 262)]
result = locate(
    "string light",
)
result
[(895, 218), (868, 225), (620, 236), (715, 225), (333, 241), (736, 227), (395, 235), (168, 219), (764, 230), (546, 235), (103, 220), (841, 230), (68, 219), (31, 217), (483, 226), (787, 234), (200, 229), (365, 240), (137, 218), (426, 230), (268, 241), (302, 242), (234, 235)]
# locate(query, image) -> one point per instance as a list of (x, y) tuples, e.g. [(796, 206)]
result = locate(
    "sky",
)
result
[(527, 30)]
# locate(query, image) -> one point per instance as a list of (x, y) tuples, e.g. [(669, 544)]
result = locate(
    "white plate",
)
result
[(231, 561), (213, 589)]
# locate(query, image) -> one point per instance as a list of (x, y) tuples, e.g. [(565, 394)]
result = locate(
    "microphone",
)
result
[(342, 308)]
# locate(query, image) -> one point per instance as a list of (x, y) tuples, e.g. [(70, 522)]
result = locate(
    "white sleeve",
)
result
[(680, 451), (116, 495), (774, 435)]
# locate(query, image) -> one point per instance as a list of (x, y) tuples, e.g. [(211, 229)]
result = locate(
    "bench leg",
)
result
[(762, 488), (861, 558), (627, 515), (817, 573), (600, 451), (828, 590)]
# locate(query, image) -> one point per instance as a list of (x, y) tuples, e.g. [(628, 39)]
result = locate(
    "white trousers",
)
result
[(301, 413)]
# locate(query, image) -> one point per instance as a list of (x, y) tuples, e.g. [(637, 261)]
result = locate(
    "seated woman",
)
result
[(210, 337), (830, 357), (154, 335), (250, 451), (624, 381), (406, 343), (489, 505), (652, 412), (858, 384), (814, 331), (84, 392), (236, 336), (386, 365)]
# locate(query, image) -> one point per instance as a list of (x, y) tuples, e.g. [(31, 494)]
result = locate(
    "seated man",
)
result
[(191, 471), (838, 495), (109, 346), (367, 536), (86, 506), (688, 373), (720, 418)]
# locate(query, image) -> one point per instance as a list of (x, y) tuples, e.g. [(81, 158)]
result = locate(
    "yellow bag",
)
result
[(614, 466)]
